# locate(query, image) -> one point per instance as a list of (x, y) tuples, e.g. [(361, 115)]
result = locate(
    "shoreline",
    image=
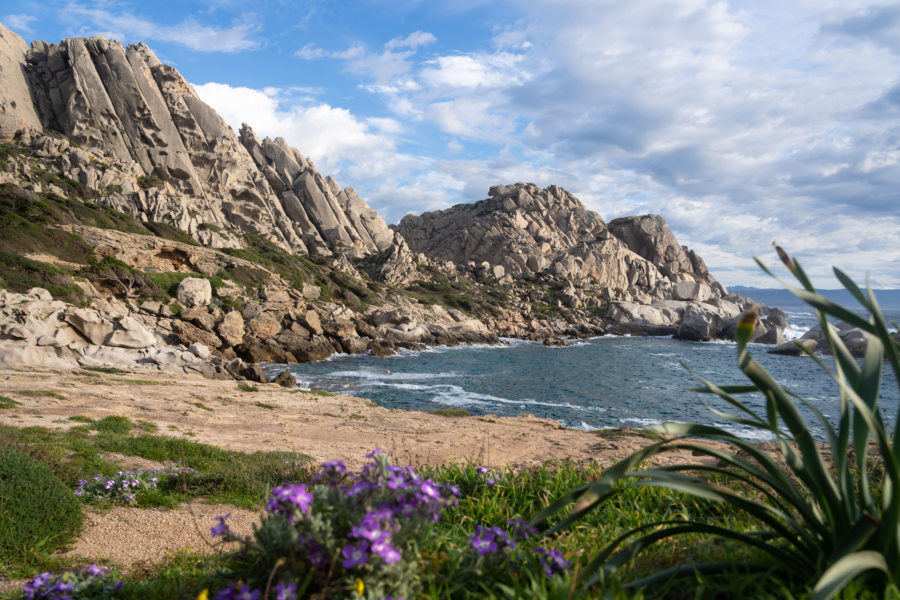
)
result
[(324, 427)]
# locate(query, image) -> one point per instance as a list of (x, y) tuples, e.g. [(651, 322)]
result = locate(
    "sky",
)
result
[(741, 123)]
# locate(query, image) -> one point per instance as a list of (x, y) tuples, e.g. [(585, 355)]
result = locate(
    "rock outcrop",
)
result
[(156, 151), (522, 231)]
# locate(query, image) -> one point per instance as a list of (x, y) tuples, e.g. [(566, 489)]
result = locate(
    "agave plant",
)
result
[(814, 501)]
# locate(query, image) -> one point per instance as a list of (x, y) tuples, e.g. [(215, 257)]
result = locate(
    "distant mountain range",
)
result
[(888, 299)]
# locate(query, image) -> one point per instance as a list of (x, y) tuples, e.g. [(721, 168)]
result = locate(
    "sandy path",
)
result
[(272, 418)]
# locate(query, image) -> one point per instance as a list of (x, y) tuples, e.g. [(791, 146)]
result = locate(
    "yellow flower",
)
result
[(360, 586), (204, 595)]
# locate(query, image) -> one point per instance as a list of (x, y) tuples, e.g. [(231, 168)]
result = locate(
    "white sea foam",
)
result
[(641, 421)]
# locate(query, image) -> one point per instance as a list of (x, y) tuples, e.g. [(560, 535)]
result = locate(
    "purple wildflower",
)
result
[(286, 591), (355, 555), (428, 489), (552, 561), (82, 482), (383, 548), (94, 571), (221, 528), (483, 541), (521, 530), (109, 484), (481, 470), (79, 492)]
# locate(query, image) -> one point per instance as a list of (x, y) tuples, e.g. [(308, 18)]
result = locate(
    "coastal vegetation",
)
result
[(827, 514)]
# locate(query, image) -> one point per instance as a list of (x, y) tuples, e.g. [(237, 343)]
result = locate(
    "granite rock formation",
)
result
[(158, 152)]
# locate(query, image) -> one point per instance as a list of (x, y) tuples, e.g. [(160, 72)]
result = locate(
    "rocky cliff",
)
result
[(522, 231), (134, 129)]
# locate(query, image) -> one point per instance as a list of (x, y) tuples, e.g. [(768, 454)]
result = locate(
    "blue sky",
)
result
[(739, 122)]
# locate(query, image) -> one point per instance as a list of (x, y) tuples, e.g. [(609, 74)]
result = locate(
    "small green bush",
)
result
[(113, 424), (38, 513)]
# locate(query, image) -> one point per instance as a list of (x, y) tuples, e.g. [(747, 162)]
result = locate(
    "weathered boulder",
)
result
[(794, 347), (194, 291), (263, 326), (317, 348), (264, 351), (231, 328), (200, 317), (90, 324), (285, 379), (22, 354), (187, 334), (312, 322), (130, 333)]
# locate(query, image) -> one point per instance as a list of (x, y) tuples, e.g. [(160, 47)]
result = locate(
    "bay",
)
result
[(598, 383)]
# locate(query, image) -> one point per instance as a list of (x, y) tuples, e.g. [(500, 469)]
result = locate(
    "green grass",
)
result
[(8, 402), (322, 393), (38, 512), (40, 393), (246, 387), (264, 405), (111, 370), (113, 424), (81, 419), (201, 406)]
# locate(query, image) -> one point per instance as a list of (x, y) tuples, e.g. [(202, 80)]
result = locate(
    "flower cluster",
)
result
[(241, 591), (362, 534), (121, 487), (552, 561), (353, 524), (90, 581)]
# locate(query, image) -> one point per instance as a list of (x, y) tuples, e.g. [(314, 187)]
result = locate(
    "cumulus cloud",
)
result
[(189, 32), (333, 137)]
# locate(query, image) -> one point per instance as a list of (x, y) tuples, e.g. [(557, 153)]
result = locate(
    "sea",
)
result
[(598, 383)]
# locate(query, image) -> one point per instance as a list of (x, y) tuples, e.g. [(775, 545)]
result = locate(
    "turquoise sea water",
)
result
[(597, 383)]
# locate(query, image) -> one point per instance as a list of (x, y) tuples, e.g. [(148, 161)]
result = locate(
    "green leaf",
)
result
[(846, 570)]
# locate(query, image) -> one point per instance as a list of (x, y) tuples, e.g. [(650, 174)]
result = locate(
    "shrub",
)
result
[(369, 534), (826, 515), (125, 486), (38, 513), (90, 582)]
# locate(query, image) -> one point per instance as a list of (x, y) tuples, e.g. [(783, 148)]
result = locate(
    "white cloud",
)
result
[(485, 70), (189, 32), (19, 23), (314, 52), (412, 41), (337, 141)]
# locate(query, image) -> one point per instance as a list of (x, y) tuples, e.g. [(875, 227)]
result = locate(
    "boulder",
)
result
[(318, 348), (381, 348), (312, 322), (90, 324), (698, 325), (194, 291), (130, 333), (285, 379), (354, 345), (263, 351), (263, 326), (187, 334), (793, 348), (231, 328), (254, 373), (200, 317), (199, 350)]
